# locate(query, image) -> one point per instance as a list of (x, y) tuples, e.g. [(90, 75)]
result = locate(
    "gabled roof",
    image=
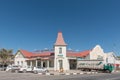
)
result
[(43, 54), (60, 39), (79, 54), (32, 54), (26, 53), (49, 53)]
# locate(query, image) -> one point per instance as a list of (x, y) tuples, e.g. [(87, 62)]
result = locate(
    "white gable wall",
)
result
[(20, 59), (107, 57), (97, 53)]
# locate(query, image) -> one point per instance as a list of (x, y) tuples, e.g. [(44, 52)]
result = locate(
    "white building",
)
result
[(60, 57)]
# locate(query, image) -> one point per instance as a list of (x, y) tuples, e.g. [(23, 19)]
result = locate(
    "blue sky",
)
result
[(34, 24)]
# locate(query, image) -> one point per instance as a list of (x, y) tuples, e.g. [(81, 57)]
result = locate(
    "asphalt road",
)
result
[(99, 76), (31, 76)]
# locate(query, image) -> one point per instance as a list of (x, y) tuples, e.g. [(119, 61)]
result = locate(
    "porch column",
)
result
[(36, 63), (47, 63), (41, 64), (30, 63)]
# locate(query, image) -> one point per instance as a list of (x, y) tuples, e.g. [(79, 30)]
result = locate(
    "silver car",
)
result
[(39, 70), (13, 68)]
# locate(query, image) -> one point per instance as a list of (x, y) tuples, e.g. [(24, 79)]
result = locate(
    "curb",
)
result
[(68, 73), (81, 73), (75, 73)]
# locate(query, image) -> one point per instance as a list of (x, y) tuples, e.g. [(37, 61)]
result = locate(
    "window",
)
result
[(100, 57), (60, 50), (51, 64), (21, 62), (18, 62), (106, 59)]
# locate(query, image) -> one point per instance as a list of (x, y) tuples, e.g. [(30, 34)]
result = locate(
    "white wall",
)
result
[(97, 52), (87, 57), (57, 50), (107, 57), (20, 58), (62, 57), (111, 58)]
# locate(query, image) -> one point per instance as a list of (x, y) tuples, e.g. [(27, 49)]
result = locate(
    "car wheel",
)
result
[(35, 72), (24, 71), (9, 70), (16, 71), (46, 71)]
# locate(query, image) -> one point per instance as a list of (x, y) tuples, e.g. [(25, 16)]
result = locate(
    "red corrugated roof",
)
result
[(43, 54), (79, 54), (26, 53), (48, 53), (31, 54)]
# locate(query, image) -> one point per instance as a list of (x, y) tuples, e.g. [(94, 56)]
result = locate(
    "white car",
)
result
[(13, 68), (39, 70), (26, 69)]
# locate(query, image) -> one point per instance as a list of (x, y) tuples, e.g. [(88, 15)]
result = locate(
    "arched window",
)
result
[(60, 50)]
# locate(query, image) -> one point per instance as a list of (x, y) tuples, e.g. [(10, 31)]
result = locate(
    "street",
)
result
[(31, 76), (100, 76)]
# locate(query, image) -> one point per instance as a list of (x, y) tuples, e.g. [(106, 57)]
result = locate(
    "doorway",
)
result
[(44, 64), (61, 64), (73, 63)]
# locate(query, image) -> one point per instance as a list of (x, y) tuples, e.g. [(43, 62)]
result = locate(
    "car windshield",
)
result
[(40, 67)]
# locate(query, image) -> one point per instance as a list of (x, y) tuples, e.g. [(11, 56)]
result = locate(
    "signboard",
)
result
[(60, 55)]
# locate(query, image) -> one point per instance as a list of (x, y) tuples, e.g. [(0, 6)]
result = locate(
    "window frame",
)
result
[(60, 50)]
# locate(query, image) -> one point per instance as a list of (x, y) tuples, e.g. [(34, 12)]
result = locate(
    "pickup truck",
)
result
[(26, 69)]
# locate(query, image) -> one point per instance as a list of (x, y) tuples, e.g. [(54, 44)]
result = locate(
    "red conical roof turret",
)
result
[(60, 40)]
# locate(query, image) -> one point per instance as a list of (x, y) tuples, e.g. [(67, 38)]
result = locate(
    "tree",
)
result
[(6, 56)]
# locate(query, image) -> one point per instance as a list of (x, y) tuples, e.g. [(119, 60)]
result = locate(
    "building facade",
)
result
[(59, 58)]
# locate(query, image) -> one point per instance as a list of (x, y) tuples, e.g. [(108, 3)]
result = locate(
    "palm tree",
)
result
[(6, 56)]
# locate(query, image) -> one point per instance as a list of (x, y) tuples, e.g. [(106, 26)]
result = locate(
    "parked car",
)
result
[(39, 70), (26, 69), (3, 67), (13, 68)]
